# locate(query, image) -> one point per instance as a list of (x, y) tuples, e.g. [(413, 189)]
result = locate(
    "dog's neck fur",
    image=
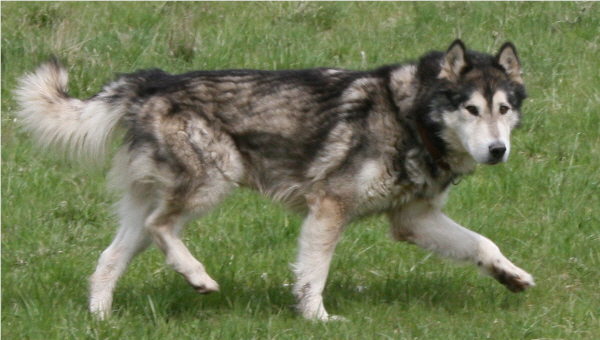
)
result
[(434, 152)]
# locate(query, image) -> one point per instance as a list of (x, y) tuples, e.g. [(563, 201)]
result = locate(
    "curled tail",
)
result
[(81, 128)]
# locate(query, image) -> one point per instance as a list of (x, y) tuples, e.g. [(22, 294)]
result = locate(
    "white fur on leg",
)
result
[(423, 224), (320, 233), (131, 239)]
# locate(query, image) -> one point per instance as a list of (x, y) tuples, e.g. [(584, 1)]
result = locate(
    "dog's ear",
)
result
[(507, 58), (454, 61)]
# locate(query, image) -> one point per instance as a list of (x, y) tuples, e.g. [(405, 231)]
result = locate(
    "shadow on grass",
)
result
[(177, 299)]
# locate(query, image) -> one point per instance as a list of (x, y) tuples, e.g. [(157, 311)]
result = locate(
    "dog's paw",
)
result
[(206, 287), (315, 311), (100, 304), (203, 284), (515, 282), (514, 278), (336, 318), (326, 318), (99, 312)]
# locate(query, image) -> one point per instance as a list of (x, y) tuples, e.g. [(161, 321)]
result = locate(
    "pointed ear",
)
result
[(507, 57), (454, 61)]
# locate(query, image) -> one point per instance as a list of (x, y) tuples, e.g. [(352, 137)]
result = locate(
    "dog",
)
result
[(330, 143)]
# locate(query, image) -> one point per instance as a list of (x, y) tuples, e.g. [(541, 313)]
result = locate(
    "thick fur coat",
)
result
[(330, 143)]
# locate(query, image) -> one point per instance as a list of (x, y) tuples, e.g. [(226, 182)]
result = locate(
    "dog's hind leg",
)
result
[(320, 234), (165, 224), (177, 206), (424, 224), (131, 239)]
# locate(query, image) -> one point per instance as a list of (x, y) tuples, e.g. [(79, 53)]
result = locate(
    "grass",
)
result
[(541, 207)]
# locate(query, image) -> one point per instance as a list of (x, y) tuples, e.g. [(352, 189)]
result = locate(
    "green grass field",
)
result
[(541, 208)]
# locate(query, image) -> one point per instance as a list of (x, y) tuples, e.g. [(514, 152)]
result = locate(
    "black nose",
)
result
[(497, 150)]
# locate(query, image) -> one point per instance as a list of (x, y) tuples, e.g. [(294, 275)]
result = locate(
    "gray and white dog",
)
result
[(334, 144)]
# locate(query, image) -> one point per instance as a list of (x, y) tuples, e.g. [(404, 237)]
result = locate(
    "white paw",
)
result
[(313, 309), (205, 285), (100, 301), (324, 317), (513, 277), (101, 313), (337, 318)]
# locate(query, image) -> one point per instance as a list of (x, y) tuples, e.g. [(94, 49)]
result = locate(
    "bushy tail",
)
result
[(80, 128)]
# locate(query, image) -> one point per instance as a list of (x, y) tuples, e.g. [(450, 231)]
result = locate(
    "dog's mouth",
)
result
[(494, 161)]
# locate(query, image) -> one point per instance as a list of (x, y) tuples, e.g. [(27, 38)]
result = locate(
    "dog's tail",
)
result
[(80, 128)]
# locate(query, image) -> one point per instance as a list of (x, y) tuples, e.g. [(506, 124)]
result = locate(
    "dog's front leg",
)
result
[(320, 234), (424, 224)]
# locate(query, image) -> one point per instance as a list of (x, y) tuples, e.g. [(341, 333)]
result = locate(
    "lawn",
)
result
[(541, 208)]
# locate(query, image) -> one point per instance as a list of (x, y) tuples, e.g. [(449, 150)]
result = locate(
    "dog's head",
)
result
[(477, 101)]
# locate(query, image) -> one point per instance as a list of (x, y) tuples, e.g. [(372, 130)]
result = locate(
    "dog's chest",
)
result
[(380, 186)]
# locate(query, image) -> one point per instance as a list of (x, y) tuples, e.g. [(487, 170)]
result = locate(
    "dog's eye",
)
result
[(472, 110), (504, 109)]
